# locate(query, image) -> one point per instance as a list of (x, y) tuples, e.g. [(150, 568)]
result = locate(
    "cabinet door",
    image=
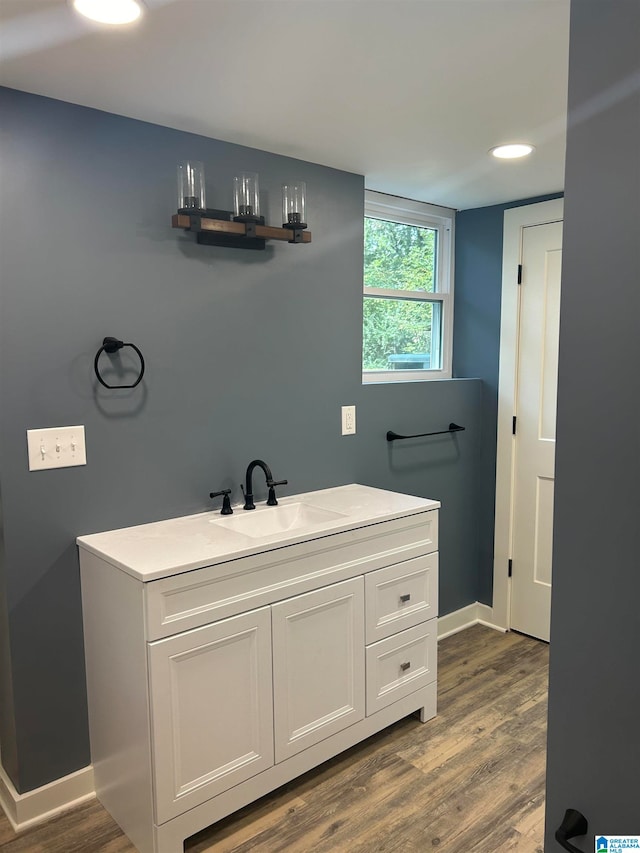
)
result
[(318, 665), (212, 710)]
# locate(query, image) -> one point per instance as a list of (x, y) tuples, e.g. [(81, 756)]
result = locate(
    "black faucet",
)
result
[(271, 483)]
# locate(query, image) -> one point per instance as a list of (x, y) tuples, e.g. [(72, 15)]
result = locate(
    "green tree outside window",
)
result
[(402, 258)]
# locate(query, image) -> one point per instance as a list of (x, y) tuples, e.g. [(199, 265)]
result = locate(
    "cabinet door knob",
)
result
[(405, 598), (405, 666)]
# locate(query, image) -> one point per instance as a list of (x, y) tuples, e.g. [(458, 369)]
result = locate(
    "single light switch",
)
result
[(57, 447)]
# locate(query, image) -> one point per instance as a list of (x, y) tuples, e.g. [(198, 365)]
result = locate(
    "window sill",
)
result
[(376, 377)]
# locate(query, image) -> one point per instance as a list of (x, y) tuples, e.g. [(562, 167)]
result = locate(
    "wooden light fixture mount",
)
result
[(218, 228)]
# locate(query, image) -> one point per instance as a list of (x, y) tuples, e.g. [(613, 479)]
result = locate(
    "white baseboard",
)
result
[(466, 617), (25, 810)]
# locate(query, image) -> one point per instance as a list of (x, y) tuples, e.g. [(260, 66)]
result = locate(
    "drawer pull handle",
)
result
[(405, 666), (405, 598)]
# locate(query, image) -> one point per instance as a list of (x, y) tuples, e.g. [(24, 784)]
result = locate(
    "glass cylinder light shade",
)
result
[(246, 200), (294, 204), (191, 196)]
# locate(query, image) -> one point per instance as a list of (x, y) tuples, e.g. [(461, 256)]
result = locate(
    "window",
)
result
[(408, 290)]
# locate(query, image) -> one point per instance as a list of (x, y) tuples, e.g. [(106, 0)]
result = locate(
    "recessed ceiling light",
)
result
[(511, 152), (109, 11)]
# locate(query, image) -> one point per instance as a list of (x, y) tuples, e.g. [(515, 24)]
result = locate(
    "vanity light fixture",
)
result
[(246, 198), (294, 208), (512, 151), (191, 192), (109, 11), (243, 227)]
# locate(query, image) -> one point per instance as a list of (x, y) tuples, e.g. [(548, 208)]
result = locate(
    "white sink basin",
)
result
[(272, 520)]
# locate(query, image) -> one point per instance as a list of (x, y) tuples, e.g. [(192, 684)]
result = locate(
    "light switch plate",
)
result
[(57, 447)]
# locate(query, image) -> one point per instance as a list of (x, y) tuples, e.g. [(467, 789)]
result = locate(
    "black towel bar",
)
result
[(393, 436)]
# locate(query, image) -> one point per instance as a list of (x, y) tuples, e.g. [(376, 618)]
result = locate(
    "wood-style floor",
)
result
[(469, 781)]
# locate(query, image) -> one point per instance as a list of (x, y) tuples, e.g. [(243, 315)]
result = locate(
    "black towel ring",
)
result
[(111, 345)]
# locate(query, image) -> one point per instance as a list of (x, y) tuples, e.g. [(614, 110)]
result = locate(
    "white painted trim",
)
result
[(442, 219), (466, 617), (373, 377), (42, 804), (515, 219)]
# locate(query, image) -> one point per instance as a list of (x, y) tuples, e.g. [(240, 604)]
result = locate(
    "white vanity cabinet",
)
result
[(222, 664)]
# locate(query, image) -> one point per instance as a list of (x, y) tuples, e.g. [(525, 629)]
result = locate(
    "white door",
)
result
[(212, 700), (318, 665), (535, 429)]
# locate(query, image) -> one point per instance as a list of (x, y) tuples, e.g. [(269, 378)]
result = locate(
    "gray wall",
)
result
[(248, 355), (478, 295), (594, 737)]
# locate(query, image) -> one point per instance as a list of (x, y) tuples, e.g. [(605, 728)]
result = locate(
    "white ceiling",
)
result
[(410, 93)]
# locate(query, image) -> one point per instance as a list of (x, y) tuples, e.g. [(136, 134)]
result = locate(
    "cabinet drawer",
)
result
[(401, 596), (400, 665)]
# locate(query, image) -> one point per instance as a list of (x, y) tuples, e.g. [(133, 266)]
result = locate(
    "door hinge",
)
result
[(519, 273), (513, 425), (510, 568)]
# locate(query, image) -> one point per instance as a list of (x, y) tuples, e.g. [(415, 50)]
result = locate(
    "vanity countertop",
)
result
[(164, 548)]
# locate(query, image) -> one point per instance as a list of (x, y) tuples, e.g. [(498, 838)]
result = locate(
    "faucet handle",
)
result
[(248, 498), (226, 501), (271, 500)]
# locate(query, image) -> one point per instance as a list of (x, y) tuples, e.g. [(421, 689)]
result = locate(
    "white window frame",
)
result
[(441, 219)]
